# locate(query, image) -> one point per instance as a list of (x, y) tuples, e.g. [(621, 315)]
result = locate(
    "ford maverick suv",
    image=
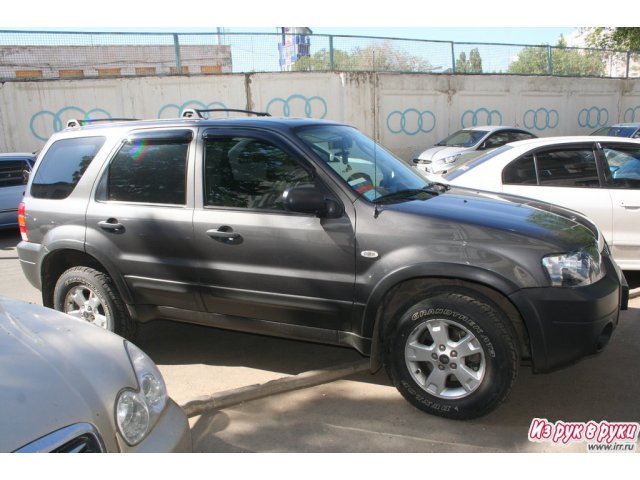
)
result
[(310, 230)]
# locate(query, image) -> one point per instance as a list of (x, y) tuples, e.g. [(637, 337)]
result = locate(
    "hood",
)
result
[(55, 371), (558, 227), (436, 153)]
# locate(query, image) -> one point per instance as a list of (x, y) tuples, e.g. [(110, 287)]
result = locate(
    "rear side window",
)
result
[(63, 165), (150, 168), (520, 172), (14, 172)]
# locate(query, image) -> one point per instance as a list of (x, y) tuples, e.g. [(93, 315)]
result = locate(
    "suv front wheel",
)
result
[(90, 295), (453, 355)]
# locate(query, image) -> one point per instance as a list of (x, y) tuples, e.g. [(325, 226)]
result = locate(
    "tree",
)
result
[(564, 61), (383, 57), (473, 65), (613, 38)]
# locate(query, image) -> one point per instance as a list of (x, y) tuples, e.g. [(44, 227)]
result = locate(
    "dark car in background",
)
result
[(14, 173), (630, 130)]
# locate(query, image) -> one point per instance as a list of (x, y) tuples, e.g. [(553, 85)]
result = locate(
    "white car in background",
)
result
[(597, 176), (445, 154)]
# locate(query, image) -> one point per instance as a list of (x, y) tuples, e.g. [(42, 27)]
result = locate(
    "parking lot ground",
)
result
[(363, 412)]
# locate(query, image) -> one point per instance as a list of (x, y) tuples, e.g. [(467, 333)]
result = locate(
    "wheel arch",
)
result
[(58, 261), (397, 293)]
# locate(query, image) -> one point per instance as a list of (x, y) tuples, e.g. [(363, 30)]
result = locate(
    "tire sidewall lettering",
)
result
[(454, 315)]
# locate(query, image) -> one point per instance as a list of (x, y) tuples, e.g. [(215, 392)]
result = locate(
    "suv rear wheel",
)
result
[(90, 295), (453, 355)]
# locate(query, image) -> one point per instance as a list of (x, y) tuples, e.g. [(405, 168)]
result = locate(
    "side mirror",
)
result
[(310, 199)]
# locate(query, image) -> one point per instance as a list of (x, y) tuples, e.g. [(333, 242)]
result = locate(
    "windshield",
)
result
[(365, 166), (462, 138)]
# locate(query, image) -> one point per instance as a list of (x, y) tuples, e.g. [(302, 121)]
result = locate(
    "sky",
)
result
[(490, 21)]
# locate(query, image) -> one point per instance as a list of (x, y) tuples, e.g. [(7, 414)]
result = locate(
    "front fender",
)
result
[(434, 270)]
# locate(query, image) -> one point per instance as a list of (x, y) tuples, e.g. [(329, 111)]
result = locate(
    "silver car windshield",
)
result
[(462, 138), (365, 166)]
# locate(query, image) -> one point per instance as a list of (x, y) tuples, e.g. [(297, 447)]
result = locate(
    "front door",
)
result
[(259, 261)]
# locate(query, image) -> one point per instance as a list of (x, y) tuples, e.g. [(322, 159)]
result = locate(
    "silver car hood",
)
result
[(436, 153), (52, 375)]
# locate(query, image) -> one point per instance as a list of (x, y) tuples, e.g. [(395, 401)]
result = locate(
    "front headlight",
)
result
[(138, 411), (576, 269), (446, 160)]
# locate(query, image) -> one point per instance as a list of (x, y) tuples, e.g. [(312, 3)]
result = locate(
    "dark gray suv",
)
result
[(309, 230)]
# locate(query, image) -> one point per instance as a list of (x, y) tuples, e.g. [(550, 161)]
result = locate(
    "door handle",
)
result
[(223, 233), (629, 207), (111, 225)]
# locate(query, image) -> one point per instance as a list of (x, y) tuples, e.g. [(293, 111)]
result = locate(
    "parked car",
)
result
[(597, 176), (68, 386), (249, 224), (14, 173), (447, 153), (630, 130)]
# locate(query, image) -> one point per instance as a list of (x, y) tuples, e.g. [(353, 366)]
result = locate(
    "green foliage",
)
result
[(473, 65), (613, 38), (383, 57), (564, 61)]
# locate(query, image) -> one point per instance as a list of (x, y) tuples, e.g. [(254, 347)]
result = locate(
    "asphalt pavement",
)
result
[(360, 412)]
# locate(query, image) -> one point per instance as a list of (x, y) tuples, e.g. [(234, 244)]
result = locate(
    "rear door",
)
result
[(140, 219), (259, 261)]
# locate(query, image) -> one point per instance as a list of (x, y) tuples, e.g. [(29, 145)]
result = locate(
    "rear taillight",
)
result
[(22, 221)]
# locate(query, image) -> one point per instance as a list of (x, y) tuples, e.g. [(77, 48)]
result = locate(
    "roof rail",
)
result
[(197, 112), (74, 122)]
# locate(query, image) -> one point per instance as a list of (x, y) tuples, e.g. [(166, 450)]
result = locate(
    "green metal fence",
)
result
[(29, 56)]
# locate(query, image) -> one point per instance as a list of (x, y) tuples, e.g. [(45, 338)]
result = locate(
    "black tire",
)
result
[(90, 295), (424, 365)]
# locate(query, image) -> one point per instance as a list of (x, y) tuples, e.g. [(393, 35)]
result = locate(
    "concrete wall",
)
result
[(405, 112)]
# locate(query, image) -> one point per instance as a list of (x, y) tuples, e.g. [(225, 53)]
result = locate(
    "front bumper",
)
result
[(566, 324)]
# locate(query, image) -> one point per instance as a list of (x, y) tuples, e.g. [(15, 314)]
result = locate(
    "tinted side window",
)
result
[(249, 173), (14, 172), (520, 172), (624, 166), (149, 171), (574, 167), (63, 165)]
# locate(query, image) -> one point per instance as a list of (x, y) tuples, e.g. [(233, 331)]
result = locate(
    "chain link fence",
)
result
[(28, 56)]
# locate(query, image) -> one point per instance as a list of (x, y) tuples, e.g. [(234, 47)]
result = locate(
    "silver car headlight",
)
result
[(446, 160), (576, 269), (137, 411)]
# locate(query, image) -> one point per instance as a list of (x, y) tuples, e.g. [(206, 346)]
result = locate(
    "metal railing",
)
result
[(29, 56)]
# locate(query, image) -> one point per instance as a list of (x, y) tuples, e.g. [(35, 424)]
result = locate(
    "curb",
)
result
[(235, 396), (634, 293)]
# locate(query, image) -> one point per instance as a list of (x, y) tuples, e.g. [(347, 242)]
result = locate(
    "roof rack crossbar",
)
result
[(193, 112), (74, 122)]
